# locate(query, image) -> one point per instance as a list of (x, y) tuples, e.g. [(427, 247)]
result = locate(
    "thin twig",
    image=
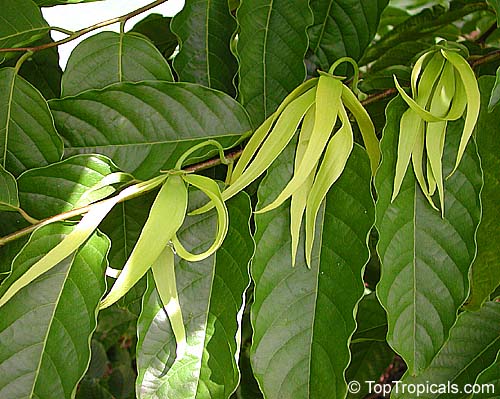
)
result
[(86, 30), (490, 57), (484, 36), (233, 155), (379, 96)]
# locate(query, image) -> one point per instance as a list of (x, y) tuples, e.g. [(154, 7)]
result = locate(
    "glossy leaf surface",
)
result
[(342, 28), (51, 320), (145, 127), (473, 345), (69, 184), (485, 276), (296, 353), (425, 259), (271, 45), (211, 296), (205, 30), (28, 138), (110, 57)]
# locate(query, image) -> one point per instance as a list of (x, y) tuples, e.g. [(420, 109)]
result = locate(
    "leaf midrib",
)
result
[(9, 110), (264, 65), (49, 327)]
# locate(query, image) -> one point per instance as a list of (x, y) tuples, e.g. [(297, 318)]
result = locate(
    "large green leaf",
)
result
[(342, 28), (211, 297), (425, 259), (489, 380), (272, 41), (28, 138), (485, 276), (69, 184), (473, 345), (21, 23), (156, 28), (303, 318), (145, 127), (110, 57), (45, 328), (205, 30), (9, 197)]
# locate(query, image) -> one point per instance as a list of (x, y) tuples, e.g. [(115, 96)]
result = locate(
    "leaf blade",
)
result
[(58, 315), (277, 28), (111, 122), (110, 57), (205, 30), (295, 351), (414, 284), (211, 295), (28, 137)]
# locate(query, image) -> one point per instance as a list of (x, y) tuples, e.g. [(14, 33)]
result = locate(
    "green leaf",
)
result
[(489, 379), (45, 328), (425, 259), (342, 28), (371, 320), (495, 93), (9, 198), (211, 296), (205, 30), (123, 226), (369, 359), (473, 345), (21, 23), (156, 28), (272, 41), (28, 138), (10, 222), (145, 127), (110, 57), (69, 184), (370, 354), (42, 70), (422, 25), (485, 276), (496, 6), (90, 388), (303, 318)]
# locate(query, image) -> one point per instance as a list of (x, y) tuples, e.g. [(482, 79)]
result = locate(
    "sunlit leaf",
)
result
[(211, 297), (51, 321), (110, 57), (21, 23)]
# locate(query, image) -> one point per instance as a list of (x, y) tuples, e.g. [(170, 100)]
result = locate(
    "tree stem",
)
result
[(84, 31)]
